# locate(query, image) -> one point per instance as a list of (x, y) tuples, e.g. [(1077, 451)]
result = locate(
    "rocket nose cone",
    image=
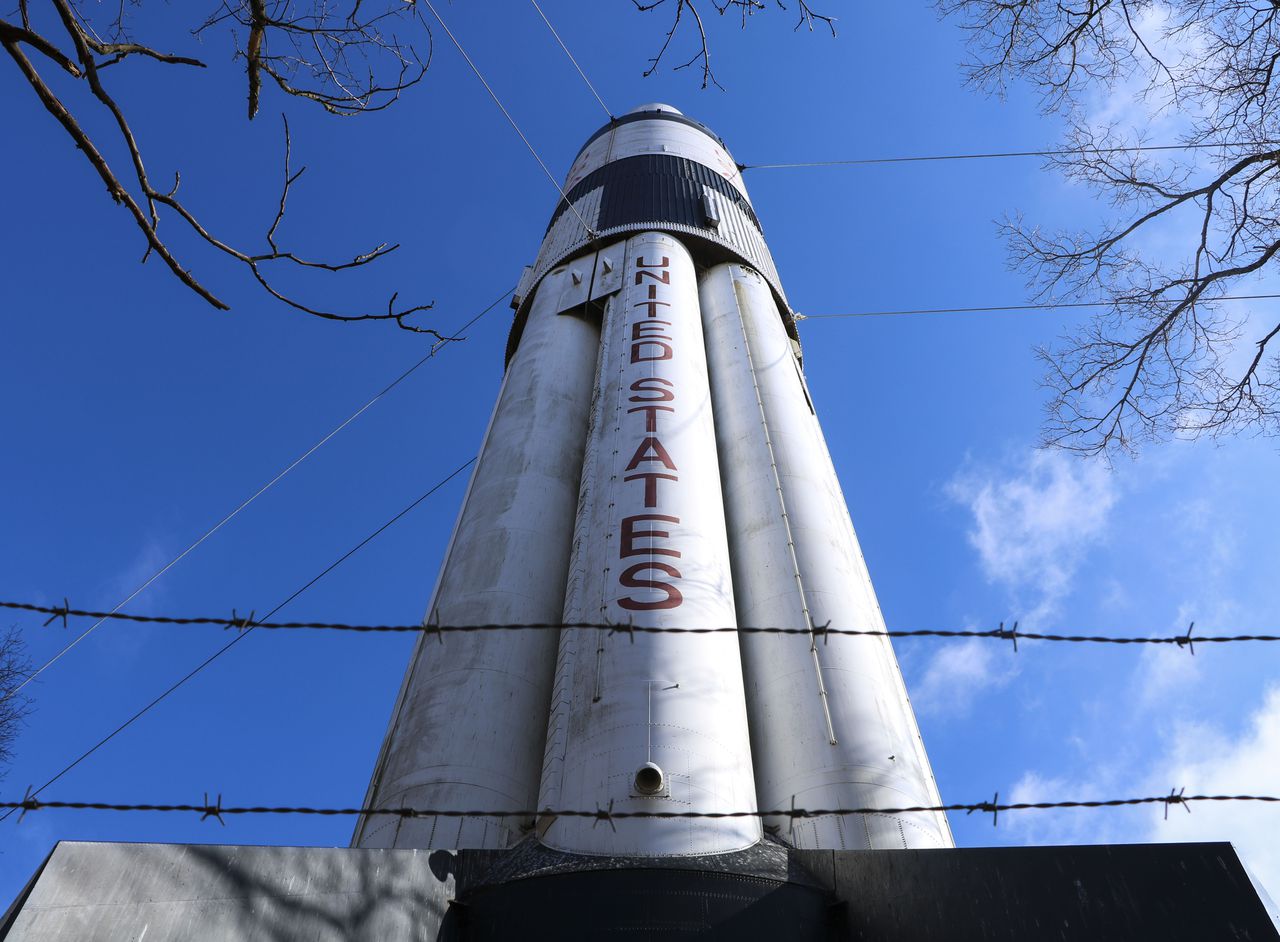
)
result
[(655, 106)]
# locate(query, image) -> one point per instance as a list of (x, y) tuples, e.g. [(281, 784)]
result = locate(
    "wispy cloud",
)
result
[(958, 673), (1132, 102), (1032, 528), (1208, 761), (1202, 758), (1069, 826)]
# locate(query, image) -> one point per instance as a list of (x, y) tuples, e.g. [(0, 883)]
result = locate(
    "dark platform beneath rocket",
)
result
[(170, 892)]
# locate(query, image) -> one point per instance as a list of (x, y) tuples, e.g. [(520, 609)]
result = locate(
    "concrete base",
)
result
[(192, 893)]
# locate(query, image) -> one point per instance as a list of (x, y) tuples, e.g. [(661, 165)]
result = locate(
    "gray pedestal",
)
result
[(193, 893)]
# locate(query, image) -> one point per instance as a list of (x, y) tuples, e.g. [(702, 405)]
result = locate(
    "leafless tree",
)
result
[(14, 668), (346, 56), (744, 9), (349, 57), (1163, 359)]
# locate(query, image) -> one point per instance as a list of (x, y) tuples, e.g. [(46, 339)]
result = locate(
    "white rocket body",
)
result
[(650, 721), (654, 460)]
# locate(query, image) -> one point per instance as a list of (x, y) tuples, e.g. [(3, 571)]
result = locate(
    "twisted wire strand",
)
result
[(1001, 633), (217, 809), (104, 616)]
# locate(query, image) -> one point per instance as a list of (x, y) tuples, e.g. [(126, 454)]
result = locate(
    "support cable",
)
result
[(435, 348), (247, 627), (1069, 152), (512, 121), (806, 613), (1047, 306), (607, 112)]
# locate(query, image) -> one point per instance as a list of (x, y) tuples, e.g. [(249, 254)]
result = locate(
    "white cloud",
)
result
[(1033, 529), (1166, 674), (957, 673), (1069, 826), (1207, 761), (125, 645), (146, 562), (1142, 99), (1200, 758)]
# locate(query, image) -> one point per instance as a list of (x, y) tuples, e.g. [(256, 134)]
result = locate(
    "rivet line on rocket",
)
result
[(786, 525)]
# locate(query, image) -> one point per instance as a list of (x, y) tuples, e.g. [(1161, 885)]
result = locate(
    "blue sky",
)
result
[(136, 416)]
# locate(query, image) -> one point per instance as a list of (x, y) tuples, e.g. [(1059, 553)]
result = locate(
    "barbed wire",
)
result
[(436, 347), (241, 623), (217, 810), (240, 635)]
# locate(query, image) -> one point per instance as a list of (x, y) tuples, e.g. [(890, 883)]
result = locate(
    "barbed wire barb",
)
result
[(992, 806), (28, 803), (1185, 640), (629, 627), (214, 810), (826, 631), (59, 613), (1176, 798), (605, 814)]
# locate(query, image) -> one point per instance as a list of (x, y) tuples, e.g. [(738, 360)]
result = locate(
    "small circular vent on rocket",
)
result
[(649, 779)]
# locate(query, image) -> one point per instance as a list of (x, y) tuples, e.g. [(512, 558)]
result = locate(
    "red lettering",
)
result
[(637, 356), (659, 454), (641, 263), (642, 385), (664, 277), (628, 580), (627, 546), (642, 329), (651, 419), (650, 479), (652, 306)]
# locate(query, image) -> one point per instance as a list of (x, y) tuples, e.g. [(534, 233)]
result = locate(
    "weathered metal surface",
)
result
[(185, 893), (1115, 893), (654, 722), (654, 170), (469, 727), (831, 725), (90, 892)]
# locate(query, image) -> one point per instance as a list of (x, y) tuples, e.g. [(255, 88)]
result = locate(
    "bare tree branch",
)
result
[(14, 708), (325, 55), (1159, 362), (342, 37), (746, 9)]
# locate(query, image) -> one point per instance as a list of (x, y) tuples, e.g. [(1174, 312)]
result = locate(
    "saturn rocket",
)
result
[(654, 460)]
